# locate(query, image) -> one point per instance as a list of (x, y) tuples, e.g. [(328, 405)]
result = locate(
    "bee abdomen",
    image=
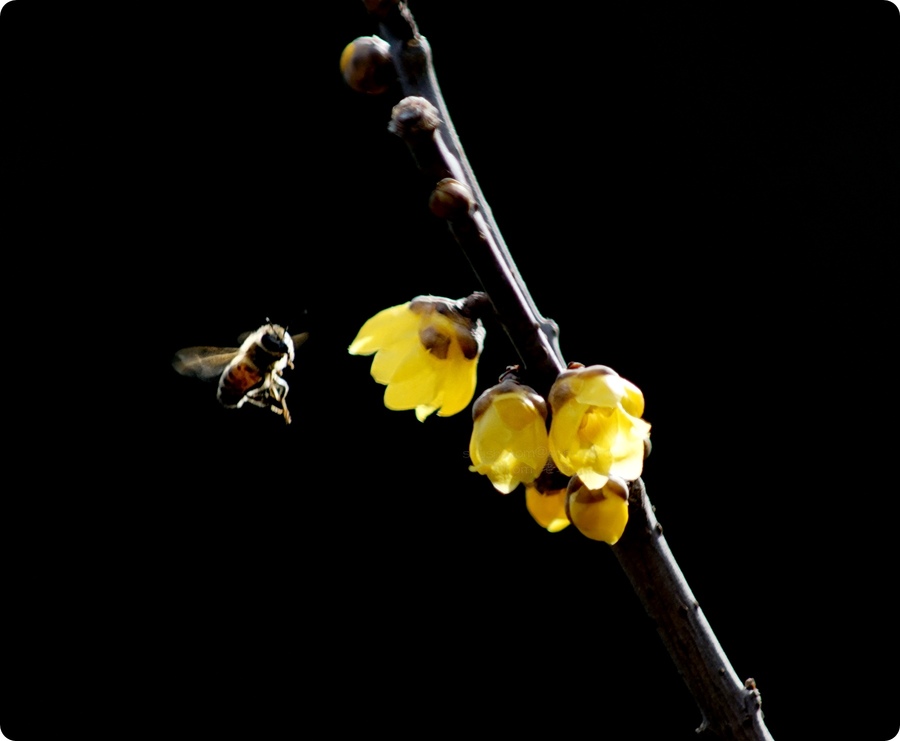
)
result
[(236, 381)]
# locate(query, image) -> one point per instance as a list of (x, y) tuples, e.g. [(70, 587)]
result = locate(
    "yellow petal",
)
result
[(600, 515), (548, 510), (423, 411), (515, 410), (602, 390), (564, 435), (504, 473), (417, 390), (633, 401), (383, 328), (599, 427), (388, 360), (628, 448), (458, 386), (591, 478)]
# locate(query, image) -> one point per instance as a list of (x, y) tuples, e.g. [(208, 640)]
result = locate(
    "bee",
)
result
[(251, 373)]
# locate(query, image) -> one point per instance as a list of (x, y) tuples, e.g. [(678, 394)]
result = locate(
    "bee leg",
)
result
[(279, 391), (282, 410), (253, 397)]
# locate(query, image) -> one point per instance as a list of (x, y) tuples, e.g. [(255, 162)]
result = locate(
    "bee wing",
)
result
[(206, 363)]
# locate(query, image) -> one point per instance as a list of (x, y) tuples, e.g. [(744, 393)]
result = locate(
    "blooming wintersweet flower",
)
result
[(596, 430), (509, 435), (426, 353), (600, 514)]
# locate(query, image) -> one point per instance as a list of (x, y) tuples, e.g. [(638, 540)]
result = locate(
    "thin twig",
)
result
[(729, 709)]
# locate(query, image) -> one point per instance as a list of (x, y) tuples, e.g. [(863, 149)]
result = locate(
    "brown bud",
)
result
[(451, 199), (366, 65), (414, 116)]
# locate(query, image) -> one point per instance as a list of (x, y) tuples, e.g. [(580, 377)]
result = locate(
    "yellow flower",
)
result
[(548, 508), (509, 435), (426, 352), (600, 514), (596, 431)]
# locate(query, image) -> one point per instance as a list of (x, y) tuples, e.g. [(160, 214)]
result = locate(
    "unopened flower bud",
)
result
[(451, 199), (366, 65)]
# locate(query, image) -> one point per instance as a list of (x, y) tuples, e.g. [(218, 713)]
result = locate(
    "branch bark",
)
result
[(730, 709)]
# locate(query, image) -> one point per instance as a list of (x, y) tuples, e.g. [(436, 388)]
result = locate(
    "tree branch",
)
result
[(440, 155), (730, 710)]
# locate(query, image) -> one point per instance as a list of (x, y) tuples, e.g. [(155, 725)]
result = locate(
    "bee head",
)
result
[(273, 340)]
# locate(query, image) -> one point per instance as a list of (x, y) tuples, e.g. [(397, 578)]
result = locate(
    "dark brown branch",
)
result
[(412, 59), (418, 123), (729, 710)]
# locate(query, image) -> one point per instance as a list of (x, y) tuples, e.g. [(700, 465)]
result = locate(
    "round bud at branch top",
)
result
[(366, 65)]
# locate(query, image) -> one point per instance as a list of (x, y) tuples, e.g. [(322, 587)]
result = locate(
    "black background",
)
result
[(703, 197)]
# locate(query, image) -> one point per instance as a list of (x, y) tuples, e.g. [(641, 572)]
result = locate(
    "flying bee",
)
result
[(249, 373)]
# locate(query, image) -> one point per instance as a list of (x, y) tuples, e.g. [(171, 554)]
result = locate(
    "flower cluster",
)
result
[(426, 353), (596, 437)]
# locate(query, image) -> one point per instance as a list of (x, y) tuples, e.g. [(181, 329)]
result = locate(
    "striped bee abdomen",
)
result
[(237, 379)]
